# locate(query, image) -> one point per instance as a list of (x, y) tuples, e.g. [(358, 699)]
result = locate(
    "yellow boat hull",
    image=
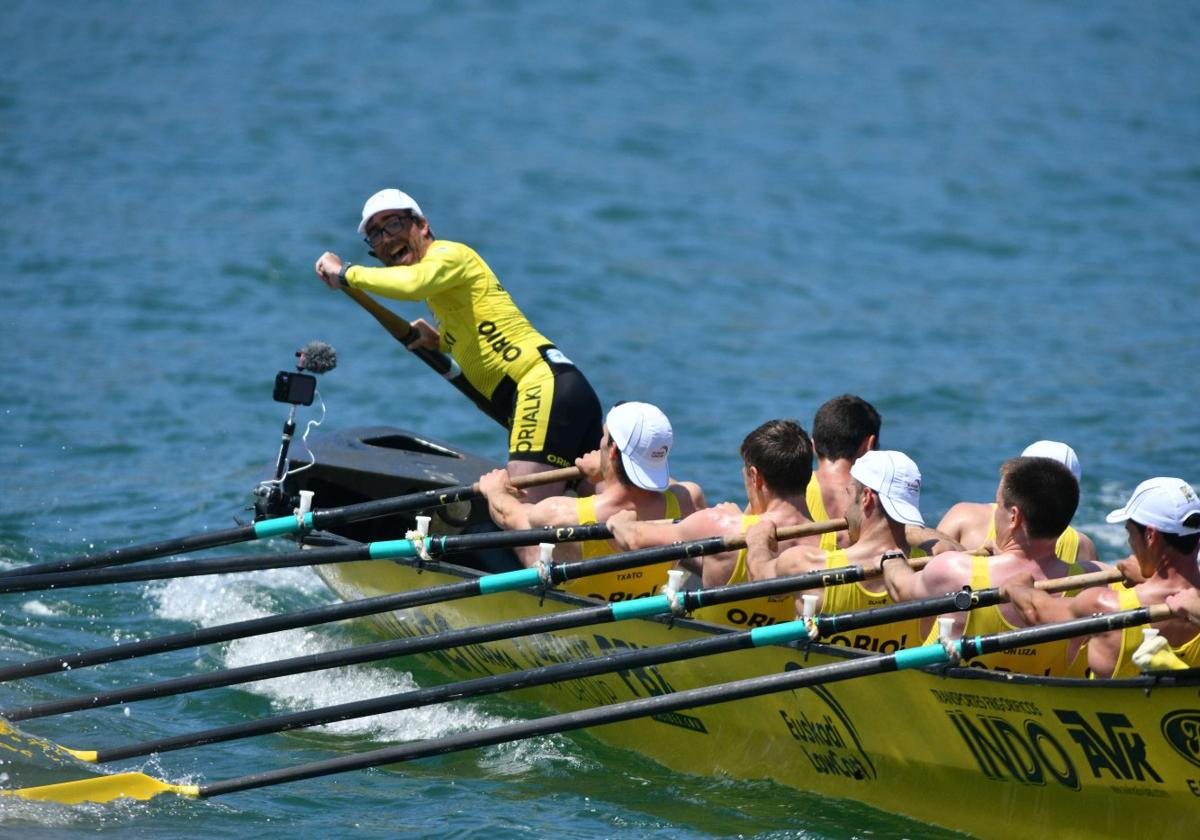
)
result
[(976, 751)]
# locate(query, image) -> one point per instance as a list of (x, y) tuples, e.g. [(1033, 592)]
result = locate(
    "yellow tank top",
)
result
[(1131, 639), (623, 585), (481, 327), (847, 597), (816, 507), (1066, 548), (752, 612), (1049, 659)]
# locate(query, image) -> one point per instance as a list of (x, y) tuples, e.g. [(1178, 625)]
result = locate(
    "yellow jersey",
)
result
[(639, 582), (1131, 639), (848, 597), (752, 612), (480, 325), (816, 508), (1048, 659)]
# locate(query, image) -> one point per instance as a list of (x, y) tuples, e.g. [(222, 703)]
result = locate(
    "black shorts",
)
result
[(554, 413)]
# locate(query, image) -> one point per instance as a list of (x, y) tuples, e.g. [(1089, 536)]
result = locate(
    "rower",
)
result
[(553, 413), (972, 523), (1162, 522), (776, 466), (631, 473), (881, 501), (844, 429), (1035, 499)]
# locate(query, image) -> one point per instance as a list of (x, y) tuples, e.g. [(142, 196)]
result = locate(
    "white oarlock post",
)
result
[(810, 615), (306, 499), (423, 525), (946, 637), (671, 590), (545, 561)]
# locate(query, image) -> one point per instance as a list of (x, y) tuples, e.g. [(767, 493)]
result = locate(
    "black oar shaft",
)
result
[(317, 662), (438, 546), (241, 629), (134, 553), (690, 699), (185, 568), (622, 661), (482, 686)]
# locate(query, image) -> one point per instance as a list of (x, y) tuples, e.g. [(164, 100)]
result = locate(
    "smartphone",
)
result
[(295, 388)]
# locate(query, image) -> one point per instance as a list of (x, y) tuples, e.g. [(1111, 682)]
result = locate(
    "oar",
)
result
[(443, 365), (553, 573), (282, 526), (433, 546), (587, 616), (142, 786), (785, 632)]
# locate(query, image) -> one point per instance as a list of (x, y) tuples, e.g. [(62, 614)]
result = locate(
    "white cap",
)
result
[(643, 435), (389, 199), (1165, 504), (1060, 452), (896, 479)]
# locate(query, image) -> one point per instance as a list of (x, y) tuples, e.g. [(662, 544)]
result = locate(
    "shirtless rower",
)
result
[(882, 499), (972, 523), (776, 465), (1162, 521), (631, 473), (1035, 499)]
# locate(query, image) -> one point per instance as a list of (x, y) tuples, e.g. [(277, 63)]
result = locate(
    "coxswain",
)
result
[(553, 413)]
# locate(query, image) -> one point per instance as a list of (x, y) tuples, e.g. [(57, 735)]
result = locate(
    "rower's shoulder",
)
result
[(963, 517), (690, 495)]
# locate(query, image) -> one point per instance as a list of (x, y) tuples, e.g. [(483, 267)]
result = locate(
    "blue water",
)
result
[(983, 218)]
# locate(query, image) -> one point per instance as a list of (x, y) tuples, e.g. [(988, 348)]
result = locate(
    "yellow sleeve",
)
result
[(443, 268)]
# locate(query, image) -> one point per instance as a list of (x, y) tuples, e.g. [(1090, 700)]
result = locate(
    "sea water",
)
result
[(980, 217)]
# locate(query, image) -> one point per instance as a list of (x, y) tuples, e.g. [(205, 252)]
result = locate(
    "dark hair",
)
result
[(842, 424), (1045, 492), (619, 469), (782, 453), (1181, 543)]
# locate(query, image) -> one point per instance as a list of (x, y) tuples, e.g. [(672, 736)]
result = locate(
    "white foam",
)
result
[(39, 608), (208, 601)]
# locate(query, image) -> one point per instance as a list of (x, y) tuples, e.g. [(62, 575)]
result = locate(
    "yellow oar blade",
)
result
[(103, 789), (13, 739)]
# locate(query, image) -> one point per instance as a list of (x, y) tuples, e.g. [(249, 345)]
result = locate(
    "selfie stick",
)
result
[(297, 389)]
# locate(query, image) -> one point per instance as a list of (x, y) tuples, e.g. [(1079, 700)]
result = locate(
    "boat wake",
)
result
[(211, 601)]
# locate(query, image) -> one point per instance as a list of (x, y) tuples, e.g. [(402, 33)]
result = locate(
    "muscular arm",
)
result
[(944, 573), (504, 501), (631, 534), (931, 540)]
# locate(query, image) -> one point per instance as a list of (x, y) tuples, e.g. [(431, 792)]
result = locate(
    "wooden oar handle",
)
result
[(537, 479), (791, 532), (1066, 584), (400, 329)]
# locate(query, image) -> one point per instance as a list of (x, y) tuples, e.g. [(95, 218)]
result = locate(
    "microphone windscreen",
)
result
[(317, 356)]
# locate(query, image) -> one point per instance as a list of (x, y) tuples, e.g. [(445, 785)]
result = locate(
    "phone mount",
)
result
[(297, 389)]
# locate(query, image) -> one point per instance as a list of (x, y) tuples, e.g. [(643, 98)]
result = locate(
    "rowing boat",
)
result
[(968, 749)]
